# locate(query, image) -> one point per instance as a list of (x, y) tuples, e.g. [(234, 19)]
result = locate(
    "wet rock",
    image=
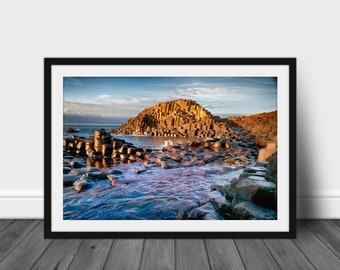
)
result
[(68, 158), (149, 157), (71, 130), (231, 190), (176, 158), (205, 212), (66, 170), (98, 175), (220, 185), (79, 171), (194, 143), (207, 197), (140, 171), (221, 204), (82, 184), (172, 164), (117, 144), (188, 164), (140, 154), (132, 158), (164, 165), (107, 150), (217, 145), (69, 179), (114, 171), (208, 158), (184, 212), (260, 192), (77, 163), (124, 157), (92, 169), (159, 159), (116, 182), (131, 150), (250, 211), (271, 170), (256, 169), (261, 164), (199, 163), (111, 177), (230, 161)]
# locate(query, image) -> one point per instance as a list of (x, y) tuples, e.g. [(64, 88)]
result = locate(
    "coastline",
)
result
[(109, 164)]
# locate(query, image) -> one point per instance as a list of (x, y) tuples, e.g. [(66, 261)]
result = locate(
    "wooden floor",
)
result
[(22, 246)]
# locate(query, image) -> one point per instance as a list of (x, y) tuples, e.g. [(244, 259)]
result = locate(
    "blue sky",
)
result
[(118, 98)]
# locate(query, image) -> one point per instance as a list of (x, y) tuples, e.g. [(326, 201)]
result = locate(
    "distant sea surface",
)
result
[(138, 141)]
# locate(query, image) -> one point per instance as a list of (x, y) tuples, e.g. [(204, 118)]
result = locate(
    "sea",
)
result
[(138, 141), (155, 194)]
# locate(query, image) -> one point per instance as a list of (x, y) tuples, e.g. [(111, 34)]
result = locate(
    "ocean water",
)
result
[(157, 194), (138, 141), (154, 194)]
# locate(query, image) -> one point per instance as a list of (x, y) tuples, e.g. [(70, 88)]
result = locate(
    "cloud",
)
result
[(91, 119), (128, 107), (219, 98), (104, 96), (215, 93)]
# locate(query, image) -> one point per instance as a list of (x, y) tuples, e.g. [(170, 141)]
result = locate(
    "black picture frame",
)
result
[(288, 65)]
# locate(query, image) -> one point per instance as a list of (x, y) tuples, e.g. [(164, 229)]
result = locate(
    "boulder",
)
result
[(205, 212), (176, 158), (82, 184), (71, 130), (271, 171), (221, 204), (250, 211), (221, 185), (208, 197), (113, 171), (107, 150), (259, 192), (66, 170), (69, 179), (77, 163), (257, 171), (98, 175), (231, 190), (124, 157), (184, 212), (79, 171)]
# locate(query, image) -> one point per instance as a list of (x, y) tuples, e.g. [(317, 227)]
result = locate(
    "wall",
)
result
[(32, 30)]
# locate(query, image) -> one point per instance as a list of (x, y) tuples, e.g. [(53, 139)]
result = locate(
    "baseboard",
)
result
[(22, 207), (31, 206), (318, 207)]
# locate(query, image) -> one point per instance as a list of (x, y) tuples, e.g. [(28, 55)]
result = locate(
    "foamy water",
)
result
[(154, 194)]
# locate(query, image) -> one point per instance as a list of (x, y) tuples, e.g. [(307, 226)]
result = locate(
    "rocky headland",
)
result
[(182, 118), (263, 127), (245, 143)]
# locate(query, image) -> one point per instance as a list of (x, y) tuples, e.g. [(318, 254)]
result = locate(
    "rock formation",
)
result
[(264, 127), (253, 195), (177, 118)]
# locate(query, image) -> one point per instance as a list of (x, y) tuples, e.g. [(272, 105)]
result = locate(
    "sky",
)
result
[(113, 100)]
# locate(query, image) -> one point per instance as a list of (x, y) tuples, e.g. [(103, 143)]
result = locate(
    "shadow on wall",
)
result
[(305, 176)]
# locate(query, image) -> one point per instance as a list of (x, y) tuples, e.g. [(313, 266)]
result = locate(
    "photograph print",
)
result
[(144, 153)]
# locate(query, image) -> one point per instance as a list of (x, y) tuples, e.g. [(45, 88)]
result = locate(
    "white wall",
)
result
[(32, 30)]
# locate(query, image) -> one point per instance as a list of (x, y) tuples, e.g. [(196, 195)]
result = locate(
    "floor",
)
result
[(22, 246)]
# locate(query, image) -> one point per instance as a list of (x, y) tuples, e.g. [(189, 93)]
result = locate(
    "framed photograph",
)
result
[(170, 147)]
